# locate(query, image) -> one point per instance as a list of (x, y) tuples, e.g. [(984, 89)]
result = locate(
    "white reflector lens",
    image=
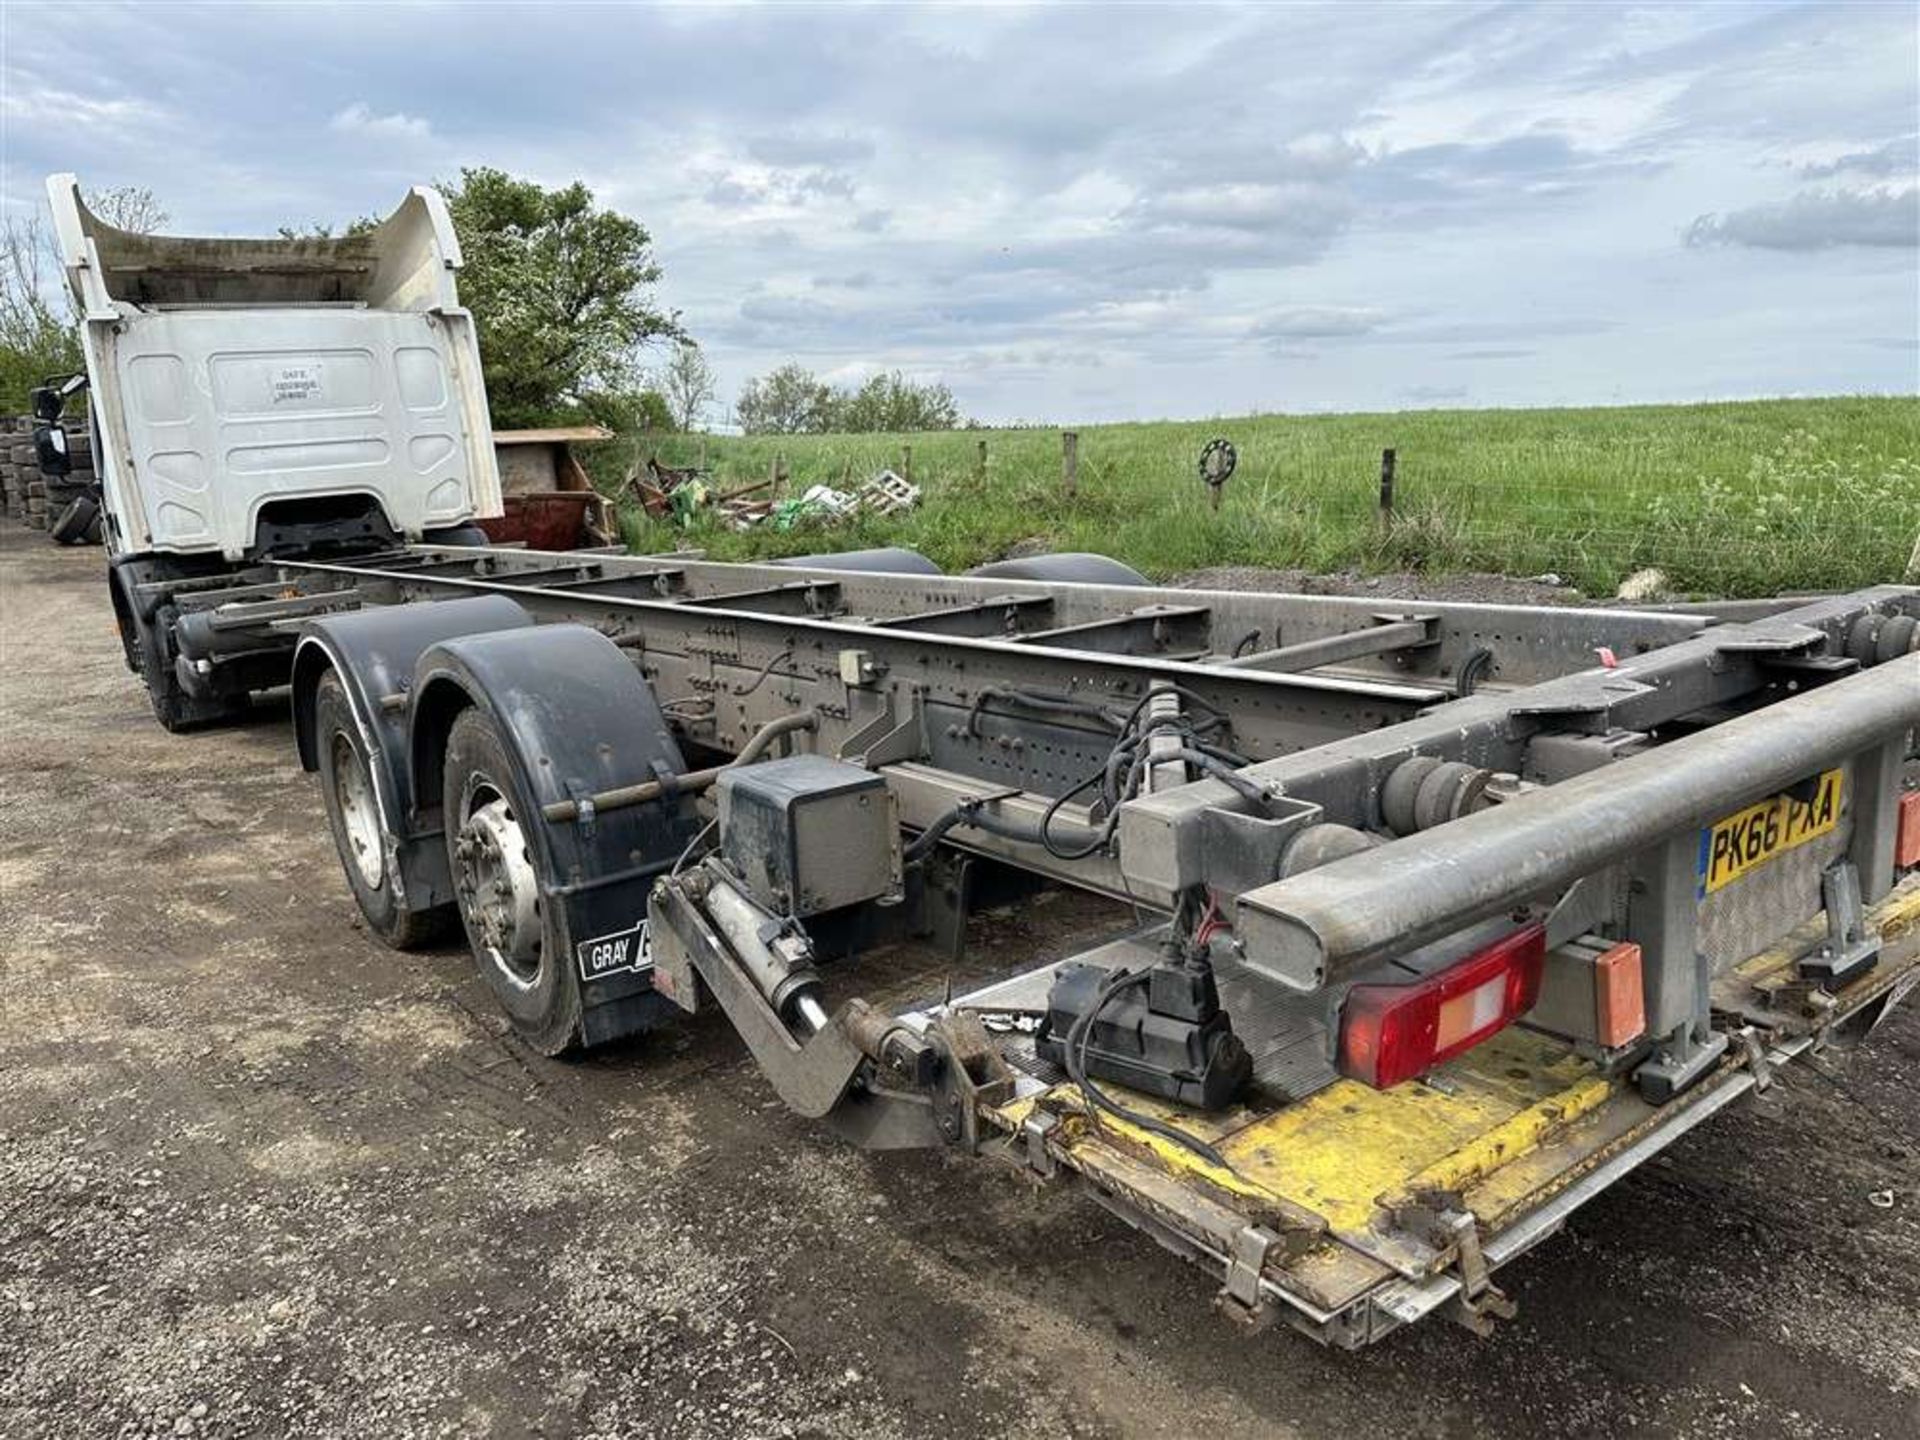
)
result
[(1470, 1013)]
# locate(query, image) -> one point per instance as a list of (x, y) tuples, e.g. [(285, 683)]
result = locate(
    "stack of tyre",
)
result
[(72, 512), (26, 486), (13, 495)]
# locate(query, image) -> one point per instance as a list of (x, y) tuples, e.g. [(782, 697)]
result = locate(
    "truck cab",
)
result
[(271, 398)]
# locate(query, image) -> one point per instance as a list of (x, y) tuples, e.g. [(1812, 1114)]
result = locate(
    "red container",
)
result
[(545, 520)]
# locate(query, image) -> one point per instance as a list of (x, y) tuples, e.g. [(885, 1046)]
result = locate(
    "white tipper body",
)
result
[(230, 374)]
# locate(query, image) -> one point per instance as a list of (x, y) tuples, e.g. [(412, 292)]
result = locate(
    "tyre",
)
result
[(176, 710), (359, 831), (497, 863), (80, 517)]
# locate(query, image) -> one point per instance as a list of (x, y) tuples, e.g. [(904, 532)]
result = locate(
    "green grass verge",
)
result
[(1729, 499)]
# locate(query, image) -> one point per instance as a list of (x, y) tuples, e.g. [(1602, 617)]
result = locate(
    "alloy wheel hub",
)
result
[(499, 892)]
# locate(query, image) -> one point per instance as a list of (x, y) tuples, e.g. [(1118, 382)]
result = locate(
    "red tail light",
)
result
[(1391, 1033)]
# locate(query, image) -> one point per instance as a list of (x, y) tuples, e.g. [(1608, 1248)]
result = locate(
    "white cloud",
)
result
[(1197, 211), (25, 101), (1898, 158), (1315, 322), (360, 118), (1818, 220)]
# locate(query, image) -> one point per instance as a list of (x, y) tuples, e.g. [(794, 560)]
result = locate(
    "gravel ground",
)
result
[(261, 1176)]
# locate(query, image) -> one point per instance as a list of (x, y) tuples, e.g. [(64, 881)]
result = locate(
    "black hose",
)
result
[(917, 849), (1098, 838), (1223, 772), (1039, 700), (765, 671)]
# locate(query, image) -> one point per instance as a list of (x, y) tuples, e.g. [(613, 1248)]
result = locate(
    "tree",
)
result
[(787, 401), (561, 289), (790, 400), (128, 207), (891, 403), (38, 337), (39, 329), (688, 383), (628, 411), (319, 230)]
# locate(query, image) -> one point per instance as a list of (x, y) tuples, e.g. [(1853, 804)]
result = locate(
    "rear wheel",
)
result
[(496, 866), (359, 829), (173, 707)]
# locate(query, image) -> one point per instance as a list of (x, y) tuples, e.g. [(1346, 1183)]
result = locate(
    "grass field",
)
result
[(1728, 499)]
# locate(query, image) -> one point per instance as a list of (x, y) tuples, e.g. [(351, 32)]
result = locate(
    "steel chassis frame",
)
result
[(988, 691)]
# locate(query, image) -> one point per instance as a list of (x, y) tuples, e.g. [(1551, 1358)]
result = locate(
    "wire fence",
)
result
[(1747, 499)]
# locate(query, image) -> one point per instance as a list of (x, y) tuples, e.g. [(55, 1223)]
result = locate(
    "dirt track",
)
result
[(261, 1176)]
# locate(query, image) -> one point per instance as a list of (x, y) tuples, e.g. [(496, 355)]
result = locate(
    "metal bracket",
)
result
[(1481, 1304), (1756, 1052), (973, 1076), (883, 741), (1678, 1061), (812, 1075), (1035, 1130), (1242, 1298), (946, 879), (1852, 947), (1588, 904)]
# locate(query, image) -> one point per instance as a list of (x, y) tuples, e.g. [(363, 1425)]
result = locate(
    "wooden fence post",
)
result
[(778, 475), (1070, 462), (906, 463), (980, 465), (1386, 486)]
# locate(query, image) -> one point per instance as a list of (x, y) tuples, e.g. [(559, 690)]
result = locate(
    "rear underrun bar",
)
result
[(1318, 928)]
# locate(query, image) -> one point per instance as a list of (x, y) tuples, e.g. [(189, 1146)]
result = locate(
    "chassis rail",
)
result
[(1358, 790)]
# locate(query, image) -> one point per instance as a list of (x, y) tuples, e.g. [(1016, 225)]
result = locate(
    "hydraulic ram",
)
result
[(1317, 928)]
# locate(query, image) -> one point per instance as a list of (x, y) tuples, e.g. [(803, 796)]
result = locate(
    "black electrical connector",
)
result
[(1173, 1040)]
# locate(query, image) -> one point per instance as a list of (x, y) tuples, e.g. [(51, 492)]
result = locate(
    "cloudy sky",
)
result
[(1100, 213)]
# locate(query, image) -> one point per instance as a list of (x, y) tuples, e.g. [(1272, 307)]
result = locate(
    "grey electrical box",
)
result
[(809, 834)]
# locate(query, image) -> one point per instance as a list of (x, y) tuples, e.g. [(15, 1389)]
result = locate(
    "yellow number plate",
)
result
[(1747, 840)]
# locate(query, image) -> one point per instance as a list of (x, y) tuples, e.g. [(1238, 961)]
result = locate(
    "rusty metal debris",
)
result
[(666, 493)]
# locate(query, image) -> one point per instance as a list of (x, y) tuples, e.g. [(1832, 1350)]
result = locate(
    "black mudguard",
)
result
[(888, 560), (1070, 567), (579, 718), (374, 653)]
